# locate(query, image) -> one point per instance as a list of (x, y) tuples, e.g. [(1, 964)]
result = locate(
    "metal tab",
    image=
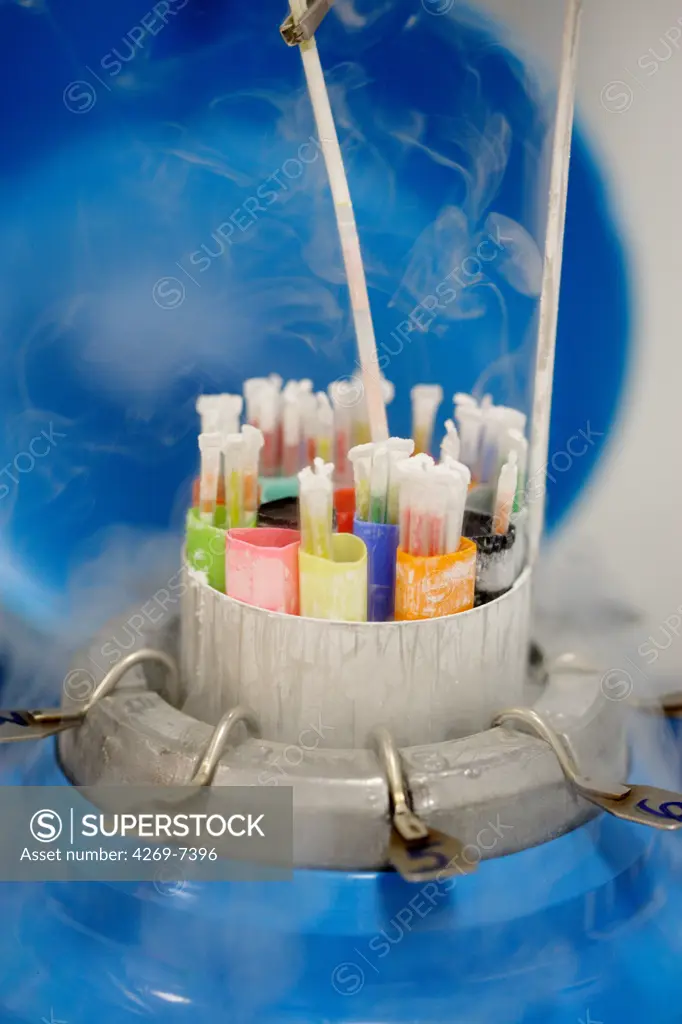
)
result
[(294, 32), (646, 805), (417, 852), (434, 859), (37, 725)]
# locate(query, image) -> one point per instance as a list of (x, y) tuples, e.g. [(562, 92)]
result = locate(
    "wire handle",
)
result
[(417, 852), (21, 724), (206, 769), (646, 805)]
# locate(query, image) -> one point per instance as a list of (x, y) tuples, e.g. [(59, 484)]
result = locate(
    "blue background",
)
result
[(112, 183)]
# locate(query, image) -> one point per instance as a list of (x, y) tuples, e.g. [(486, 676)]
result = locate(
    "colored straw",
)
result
[(425, 401), (361, 459), (233, 467), (267, 406), (253, 442), (251, 389), (229, 413), (343, 422), (378, 485), (497, 419), (506, 492), (324, 441), (469, 419), (450, 445), (410, 474), (309, 425), (208, 407), (209, 446), (316, 508), (514, 441), (399, 451), (291, 431), (387, 391), (459, 478)]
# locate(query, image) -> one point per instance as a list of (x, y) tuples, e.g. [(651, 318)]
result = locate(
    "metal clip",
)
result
[(646, 805), (205, 771), (301, 30), (417, 852), (36, 725)]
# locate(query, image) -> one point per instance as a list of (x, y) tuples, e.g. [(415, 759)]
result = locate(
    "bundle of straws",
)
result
[(299, 424), (376, 473), (228, 482), (432, 499)]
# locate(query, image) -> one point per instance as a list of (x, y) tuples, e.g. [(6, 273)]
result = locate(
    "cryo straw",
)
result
[(208, 407), (459, 481), (469, 420), (362, 433), (463, 398), (438, 487), (253, 442), (348, 232), (387, 391), (342, 427), (275, 382), (378, 485), (514, 441), (209, 446), (291, 433), (450, 445), (506, 491), (497, 420), (399, 451), (487, 452), (233, 463), (411, 474), (361, 459), (229, 413), (325, 428), (425, 401), (251, 389), (315, 491), (268, 421), (309, 421), (424, 499)]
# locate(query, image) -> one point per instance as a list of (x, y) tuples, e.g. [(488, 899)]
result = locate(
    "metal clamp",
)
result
[(405, 821), (203, 776), (417, 852), (295, 31), (646, 805), (36, 725)]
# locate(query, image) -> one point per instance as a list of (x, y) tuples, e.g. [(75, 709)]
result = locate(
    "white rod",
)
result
[(348, 232), (551, 278)]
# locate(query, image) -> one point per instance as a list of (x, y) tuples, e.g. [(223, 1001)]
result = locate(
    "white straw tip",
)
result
[(462, 398), (427, 392), (212, 440)]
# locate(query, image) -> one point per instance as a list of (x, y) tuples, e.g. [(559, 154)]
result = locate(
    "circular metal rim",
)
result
[(502, 784), (521, 580)]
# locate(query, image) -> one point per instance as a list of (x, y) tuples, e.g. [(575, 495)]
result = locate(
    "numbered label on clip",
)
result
[(647, 805), (436, 858)]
